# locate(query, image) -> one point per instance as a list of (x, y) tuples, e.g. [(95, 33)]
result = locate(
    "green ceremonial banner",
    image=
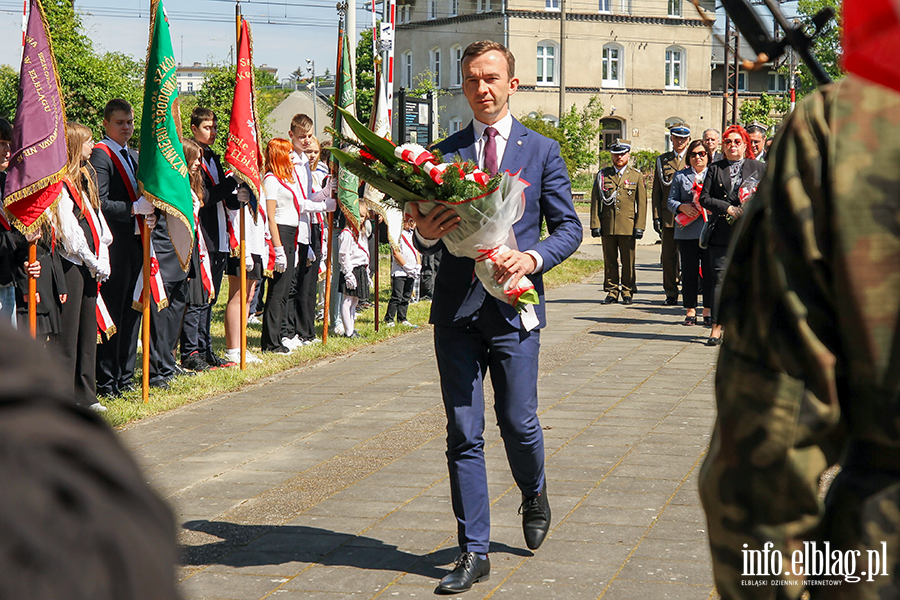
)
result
[(348, 183), (162, 172)]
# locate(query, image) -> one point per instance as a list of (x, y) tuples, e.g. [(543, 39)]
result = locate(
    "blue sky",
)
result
[(285, 32)]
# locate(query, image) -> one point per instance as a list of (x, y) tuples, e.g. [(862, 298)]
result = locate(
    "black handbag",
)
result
[(707, 232)]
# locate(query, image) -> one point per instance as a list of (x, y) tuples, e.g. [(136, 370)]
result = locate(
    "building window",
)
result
[(406, 70), (551, 4), (455, 125), (456, 53), (546, 63), (604, 6), (404, 15), (454, 8), (612, 66), (674, 67), (674, 8), (778, 83), (742, 81), (435, 64), (483, 6), (610, 132), (432, 9), (190, 86), (625, 6)]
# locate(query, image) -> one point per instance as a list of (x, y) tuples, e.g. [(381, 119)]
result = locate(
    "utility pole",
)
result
[(311, 65), (725, 68), (561, 58), (737, 73)]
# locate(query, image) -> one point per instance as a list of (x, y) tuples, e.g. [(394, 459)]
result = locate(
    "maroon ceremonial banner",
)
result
[(38, 162), (243, 153)]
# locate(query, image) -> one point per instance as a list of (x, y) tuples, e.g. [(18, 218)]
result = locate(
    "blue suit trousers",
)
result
[(464, 354)]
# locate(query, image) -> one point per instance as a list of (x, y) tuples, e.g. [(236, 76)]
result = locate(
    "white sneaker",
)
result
[(389, 324), (235, 357), (254, 320), (408, 324), (312, 341), (96, 406), (290, 344)]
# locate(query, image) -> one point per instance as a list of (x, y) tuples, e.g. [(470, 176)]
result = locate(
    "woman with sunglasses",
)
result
[(726, 186), (689, 219)]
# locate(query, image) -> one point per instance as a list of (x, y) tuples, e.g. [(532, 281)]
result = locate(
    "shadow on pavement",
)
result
[(258, 545), (699, 338)]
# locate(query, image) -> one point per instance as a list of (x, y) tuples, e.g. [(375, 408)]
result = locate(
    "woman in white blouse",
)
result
[(83, 237)]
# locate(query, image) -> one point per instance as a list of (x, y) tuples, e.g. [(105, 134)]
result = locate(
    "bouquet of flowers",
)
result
[(745, 192), (487, 206), (681, 218)]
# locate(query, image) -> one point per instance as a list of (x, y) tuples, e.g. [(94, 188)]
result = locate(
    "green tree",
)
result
[(576, 133), (365, 76), (826, 48), (89, 79), (760, 110), (9, 90)]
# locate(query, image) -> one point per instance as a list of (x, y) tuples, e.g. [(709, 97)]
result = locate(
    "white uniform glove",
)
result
[(142, 206), (103, 270), (371, 282), (248, 261), (296, 258), (310, 256), (151, 220), (280, 259), (410, 269), (350, 278), (418, 271)]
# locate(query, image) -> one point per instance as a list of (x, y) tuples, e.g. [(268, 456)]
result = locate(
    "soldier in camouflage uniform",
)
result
[(809, 374), (618, 214), (667, 164)]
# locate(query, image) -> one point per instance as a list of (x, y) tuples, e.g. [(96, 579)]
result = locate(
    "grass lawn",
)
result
[(128, 408)]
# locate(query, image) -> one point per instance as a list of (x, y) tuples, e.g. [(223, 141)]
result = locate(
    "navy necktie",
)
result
[(490, 151), (129, 160)]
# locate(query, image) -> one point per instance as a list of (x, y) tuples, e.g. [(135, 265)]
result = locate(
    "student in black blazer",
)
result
[(721, 196)]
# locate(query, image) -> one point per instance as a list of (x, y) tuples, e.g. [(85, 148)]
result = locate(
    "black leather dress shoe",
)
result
[(671, 301), (610, 299), (469, 570), (535, 519), (627, 300)]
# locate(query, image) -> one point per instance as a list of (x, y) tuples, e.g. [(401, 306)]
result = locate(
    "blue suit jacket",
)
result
[(457, 292)]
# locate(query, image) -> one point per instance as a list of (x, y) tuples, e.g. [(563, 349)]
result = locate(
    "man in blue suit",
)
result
[(474, 332)]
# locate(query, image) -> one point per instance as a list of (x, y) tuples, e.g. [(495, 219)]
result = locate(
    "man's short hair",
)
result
[(476, 49), (5, 130), (301, 123), (116, 105), (716, 131), (200, 114)]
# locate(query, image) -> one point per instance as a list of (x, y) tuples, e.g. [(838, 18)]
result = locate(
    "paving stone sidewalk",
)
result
[(331, 482)]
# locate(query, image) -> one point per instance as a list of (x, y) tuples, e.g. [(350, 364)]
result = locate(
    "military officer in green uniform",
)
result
[(667, 164), (618, 214), (809, 373)]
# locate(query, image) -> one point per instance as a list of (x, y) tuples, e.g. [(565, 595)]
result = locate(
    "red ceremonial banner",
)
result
[(871, 40), (243, 153)]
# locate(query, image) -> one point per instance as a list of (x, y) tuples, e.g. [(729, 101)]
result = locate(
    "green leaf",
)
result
[(361, 170), (381, 149)]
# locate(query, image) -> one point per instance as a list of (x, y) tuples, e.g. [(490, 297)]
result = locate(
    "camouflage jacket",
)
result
[(810, 364)]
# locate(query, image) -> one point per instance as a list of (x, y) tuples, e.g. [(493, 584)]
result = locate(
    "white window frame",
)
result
[(551, 5), (406, 69), (434, 64), (625, 7), (454, 125), (619, 60), (542, 56), (483, 6), (454, 8), (674, 8), (456, 53), (779, 78), (432, 9), (670, 64), (604, 6), (405, 12), (190, 87), (743, 81)]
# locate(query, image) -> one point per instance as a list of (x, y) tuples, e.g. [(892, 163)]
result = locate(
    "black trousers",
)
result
[(165, 326), (194, 318), (279, 290), (401, 292), (717, 257), (77, 338), (430, 265), (693, 257), (302, 301), (116, 356), (217, 266)]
